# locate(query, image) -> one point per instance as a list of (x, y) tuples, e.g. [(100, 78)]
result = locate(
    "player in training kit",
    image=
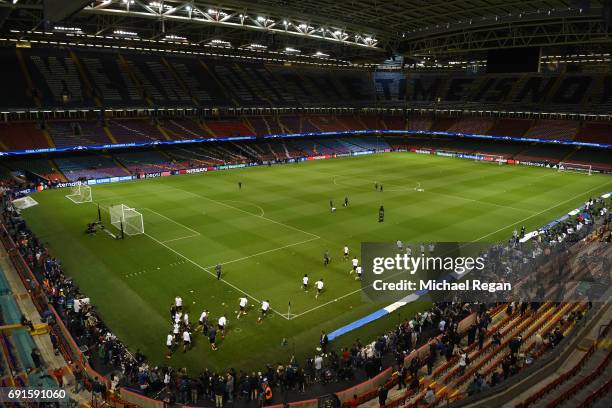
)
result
[(186, 340), (218, 271), (346, 252), (346, 201), (355, 262), (221, 323), (212, 338), (326, 258), (305, 282), (204, 322), (265, 306), (240, 185), (176, 330), (243, 304), (381, 213), (169, 344), (319, 286)]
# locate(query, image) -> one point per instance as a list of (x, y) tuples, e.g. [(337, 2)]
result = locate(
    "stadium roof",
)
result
[(347, 29)]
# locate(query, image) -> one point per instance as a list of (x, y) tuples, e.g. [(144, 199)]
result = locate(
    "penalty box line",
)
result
[(194, 232), (247, 212), (205, 269)]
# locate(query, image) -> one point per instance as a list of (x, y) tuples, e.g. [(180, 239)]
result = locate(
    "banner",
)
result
[(296, 135)]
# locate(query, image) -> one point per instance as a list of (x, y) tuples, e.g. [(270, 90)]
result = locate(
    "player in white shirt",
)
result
[(319, 286), (186, 340), (355, 262), (169, 344), (346, 252), (204, 322), (305, 282), (221, 323), (400, 244), (242, 303), (177, 317), (178, 302), (176, 330), (358, 271), (186, 319), (265, 306)]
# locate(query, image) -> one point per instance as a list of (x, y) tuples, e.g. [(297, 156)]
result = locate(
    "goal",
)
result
[(492, 158), (81, 193), (127, 219), (575, 168)]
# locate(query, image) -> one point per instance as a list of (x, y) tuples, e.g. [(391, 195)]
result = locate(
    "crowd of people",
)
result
[(437, 327)]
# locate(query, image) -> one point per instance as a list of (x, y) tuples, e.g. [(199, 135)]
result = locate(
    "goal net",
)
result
[(127, 218), (81, 193), (575, 168)]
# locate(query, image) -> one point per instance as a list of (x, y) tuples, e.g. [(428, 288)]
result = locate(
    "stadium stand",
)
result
[(553, 129), (147, 161), (479, 126), (68, 133), (134, 130), (183, 128), (228, 128), (510, 127), (419, 123), (89, 167), (40, 166), (21, 136), (595, 133), (14, 83)]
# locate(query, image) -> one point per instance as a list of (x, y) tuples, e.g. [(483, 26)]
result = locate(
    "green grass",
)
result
[(276, 229)]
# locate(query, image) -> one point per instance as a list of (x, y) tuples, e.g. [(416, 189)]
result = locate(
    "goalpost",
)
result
[(575, 168), (81, 193), (126, 219)]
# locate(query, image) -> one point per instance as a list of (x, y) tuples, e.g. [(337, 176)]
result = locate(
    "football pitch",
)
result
[(274, 230)]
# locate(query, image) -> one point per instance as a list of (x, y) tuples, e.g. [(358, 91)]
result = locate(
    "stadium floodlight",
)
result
[(126, 219), (81, 193), (575, 168), (125, 33), (220, 43), (172, 37)]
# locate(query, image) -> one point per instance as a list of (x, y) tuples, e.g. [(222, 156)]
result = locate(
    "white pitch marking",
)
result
[(247, 203), (264, 252), (174, 221), (194, 263), (536, 214), (178, 239), (249, 213)]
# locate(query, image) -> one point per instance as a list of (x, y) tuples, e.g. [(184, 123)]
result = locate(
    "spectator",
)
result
[(382, 395)]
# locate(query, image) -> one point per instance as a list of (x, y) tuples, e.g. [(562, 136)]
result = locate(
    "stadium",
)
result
[(309, 203)]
